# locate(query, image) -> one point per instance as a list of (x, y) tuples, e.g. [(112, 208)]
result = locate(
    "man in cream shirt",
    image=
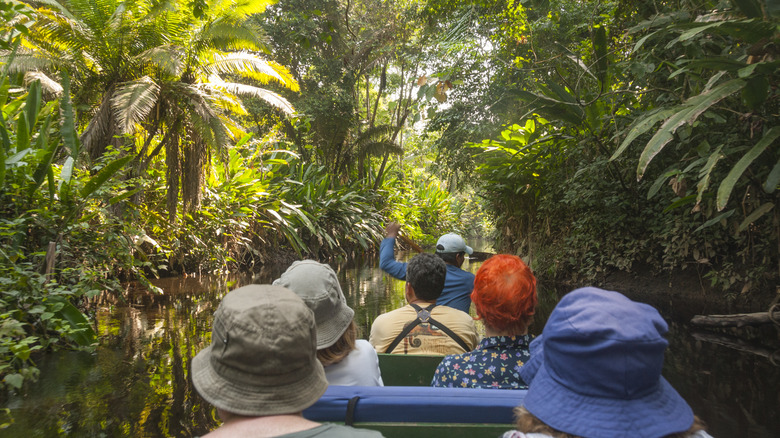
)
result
[(422, 327)]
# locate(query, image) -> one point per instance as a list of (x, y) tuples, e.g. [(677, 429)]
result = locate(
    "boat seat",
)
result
[(410, 411), (408, 369)]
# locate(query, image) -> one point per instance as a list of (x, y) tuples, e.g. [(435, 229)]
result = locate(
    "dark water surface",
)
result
[(137, 383)]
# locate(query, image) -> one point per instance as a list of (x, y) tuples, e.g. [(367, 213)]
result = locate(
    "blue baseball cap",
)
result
[(599, 370)]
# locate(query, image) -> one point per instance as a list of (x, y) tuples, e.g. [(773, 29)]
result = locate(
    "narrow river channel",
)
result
[(137, 383)]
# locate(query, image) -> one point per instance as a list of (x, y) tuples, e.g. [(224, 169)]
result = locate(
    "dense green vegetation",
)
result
[(147, 138)]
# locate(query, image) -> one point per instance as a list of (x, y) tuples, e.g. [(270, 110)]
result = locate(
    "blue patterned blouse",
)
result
[(493, 364)]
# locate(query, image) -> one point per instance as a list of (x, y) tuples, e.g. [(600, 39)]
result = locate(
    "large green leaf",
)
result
[(724, 191), (690, 33), (552, 109), (82, 332), (756, 92), (45, 165), (22, 134), (706, 171), (68, 129), (640, 126), (101, 177), (67, 171), (33, 105), (17, 157), (4, 138), (687, 113), (715, 220), (757, 213), (773, 179)]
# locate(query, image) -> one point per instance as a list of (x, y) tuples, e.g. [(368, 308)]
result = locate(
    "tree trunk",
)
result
[(194, 155), (172, 162)]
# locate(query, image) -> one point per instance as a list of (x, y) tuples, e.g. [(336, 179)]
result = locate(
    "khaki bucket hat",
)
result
[(262, 358), (318, 286)]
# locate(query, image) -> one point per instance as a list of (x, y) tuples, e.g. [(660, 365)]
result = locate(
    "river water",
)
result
[(137, 383)]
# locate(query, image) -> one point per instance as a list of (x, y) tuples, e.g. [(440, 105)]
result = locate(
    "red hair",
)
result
[(505, 293)]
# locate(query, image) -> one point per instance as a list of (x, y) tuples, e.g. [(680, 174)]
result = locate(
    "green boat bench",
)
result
[(408, 369)]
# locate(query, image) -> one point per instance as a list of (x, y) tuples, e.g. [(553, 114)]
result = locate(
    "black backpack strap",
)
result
[(411, 325), (424, 315), (451, 334)]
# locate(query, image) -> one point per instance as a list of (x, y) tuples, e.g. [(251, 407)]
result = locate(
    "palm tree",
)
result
[(159, 71)]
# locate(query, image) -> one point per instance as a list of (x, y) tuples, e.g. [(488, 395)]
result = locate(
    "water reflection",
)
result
[(137, 384)]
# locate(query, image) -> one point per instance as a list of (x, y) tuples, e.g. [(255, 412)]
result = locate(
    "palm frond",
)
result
[(229, 35), (169, 59), (26, 62), (238, 9), (379, 148), (48, 84), (267, 95), (226, 100), (376, 133), (54, 5), (196, 98), (133, 101), (221, 134), (200, 128), (57, 29), (250, 66), (117, 18), (233, 127)]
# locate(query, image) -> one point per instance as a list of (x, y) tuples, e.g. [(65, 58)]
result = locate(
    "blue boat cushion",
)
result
[(418, 404)]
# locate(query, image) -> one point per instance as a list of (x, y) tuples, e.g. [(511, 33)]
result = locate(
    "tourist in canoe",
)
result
[(596, 372), (261, 370), (423, 326), (348, 361), (452, 249), (505, 299)]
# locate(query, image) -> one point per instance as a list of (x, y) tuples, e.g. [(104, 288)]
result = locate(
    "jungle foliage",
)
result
[(146, 138), (137, 142), (631, 135)]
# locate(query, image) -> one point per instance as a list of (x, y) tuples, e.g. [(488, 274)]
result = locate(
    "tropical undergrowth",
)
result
[(652, 142), (71, 230)]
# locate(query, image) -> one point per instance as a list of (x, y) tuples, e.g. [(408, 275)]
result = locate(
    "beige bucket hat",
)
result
[(318, 286), (262, 358)]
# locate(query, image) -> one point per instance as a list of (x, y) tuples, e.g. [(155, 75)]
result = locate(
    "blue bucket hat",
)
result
[(599, 370), (531, 367)]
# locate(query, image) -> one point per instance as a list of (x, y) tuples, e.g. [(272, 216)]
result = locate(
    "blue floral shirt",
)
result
[(493, 364)]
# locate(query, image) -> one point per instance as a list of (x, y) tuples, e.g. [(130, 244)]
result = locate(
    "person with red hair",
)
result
[(504, 297)]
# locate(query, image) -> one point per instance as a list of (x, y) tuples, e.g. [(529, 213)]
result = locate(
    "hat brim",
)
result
[(531, 367), (658, 414), (249, 399), (331, 330)]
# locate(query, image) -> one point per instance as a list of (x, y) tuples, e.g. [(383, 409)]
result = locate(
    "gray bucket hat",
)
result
[(318, 286), (262, 358)]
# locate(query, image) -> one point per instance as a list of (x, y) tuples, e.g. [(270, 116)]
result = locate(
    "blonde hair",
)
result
[(528, 423), (341, 348)]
